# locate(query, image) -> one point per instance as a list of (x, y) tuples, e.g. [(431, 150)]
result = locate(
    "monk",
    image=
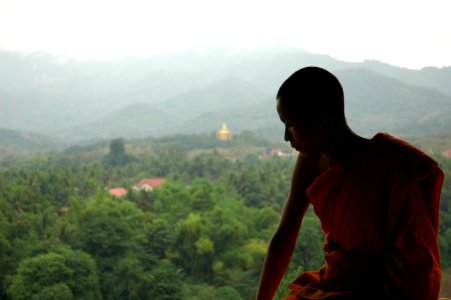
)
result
[(377, 200)]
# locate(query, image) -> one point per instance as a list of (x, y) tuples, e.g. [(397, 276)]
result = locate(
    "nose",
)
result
[(287, 135)]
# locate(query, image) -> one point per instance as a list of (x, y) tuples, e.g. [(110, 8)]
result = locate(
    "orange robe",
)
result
[(379, 213)]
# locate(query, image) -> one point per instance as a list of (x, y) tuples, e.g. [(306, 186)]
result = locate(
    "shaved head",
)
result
[(311, 93)]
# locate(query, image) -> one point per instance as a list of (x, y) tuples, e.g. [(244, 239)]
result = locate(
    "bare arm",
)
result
[(283, 242)]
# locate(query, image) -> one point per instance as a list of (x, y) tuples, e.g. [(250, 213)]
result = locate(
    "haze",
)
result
[(411, 34)]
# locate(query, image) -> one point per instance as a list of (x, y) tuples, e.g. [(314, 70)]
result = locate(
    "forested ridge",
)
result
[(201, 235), (188, 92)]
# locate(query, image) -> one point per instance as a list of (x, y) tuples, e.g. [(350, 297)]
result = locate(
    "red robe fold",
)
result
[(379, 212)]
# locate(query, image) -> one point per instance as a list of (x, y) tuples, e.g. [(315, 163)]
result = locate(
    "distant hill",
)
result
[(192, 93), (380, 103), (13, 142), (179, 114), (261, 118), (430, 77), (373, 103)]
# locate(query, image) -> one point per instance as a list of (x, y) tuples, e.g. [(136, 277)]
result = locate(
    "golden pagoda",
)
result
[(224, 134)]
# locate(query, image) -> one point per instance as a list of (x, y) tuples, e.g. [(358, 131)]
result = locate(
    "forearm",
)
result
[(281, 248), (283, 242), (276, 263)]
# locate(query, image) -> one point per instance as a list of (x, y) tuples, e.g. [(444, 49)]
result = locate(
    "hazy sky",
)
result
[(405, 33)]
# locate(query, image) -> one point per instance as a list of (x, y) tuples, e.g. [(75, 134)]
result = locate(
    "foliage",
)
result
[(117, 156), (202, 235), (71, 275)]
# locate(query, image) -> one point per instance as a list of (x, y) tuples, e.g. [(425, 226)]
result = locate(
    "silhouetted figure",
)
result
[(377, 200)]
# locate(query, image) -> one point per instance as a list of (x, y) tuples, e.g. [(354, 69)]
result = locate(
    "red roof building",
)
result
[(148, 184), (118, 192)]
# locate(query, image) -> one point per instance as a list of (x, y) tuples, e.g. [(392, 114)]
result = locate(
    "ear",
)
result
[(327, 123)]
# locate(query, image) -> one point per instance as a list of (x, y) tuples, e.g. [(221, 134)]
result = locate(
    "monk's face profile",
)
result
[(311, 105), (298, 132)]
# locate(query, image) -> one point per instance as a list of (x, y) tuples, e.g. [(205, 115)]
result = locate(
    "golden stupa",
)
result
[(224, 134)]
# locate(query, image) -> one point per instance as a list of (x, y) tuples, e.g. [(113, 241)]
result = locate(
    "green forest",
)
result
[(203, 234)]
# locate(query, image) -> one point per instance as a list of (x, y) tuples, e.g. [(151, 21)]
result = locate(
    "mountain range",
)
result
[(192, 92)]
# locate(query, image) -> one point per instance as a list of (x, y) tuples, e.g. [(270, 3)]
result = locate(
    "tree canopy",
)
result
[(201, 235)]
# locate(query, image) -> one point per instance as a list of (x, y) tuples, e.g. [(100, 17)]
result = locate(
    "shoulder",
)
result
[(408, 159)]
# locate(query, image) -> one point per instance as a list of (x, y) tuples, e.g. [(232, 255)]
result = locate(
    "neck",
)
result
[(344, 144)]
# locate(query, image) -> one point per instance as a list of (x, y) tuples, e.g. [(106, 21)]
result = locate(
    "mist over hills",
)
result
[(22, 143), (195, 92)]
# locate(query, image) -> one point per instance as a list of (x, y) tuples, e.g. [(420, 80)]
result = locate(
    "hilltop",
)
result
[(188, 93)]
